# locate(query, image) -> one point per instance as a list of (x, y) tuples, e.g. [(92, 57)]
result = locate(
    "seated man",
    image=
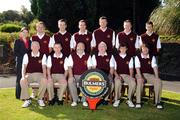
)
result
[(104, 62), (147, 71), (124, 73), (57, 71), (79, 62), (34, 70)]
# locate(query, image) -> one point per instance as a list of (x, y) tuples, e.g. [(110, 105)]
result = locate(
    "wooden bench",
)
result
[(46, 96)]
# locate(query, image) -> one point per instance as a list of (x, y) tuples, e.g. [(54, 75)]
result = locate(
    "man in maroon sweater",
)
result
[(57, 71), (34, 70), (104, 62), (79, 62), (63, 37), (103, 34), (147, 71), (82, 36), (124, 73), (128, 37), (42, 38), (151, 38)]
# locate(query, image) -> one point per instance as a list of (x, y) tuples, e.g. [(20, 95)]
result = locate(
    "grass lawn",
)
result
[(10, 109)]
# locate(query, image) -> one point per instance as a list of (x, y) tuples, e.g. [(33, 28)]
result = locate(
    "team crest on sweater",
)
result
[(40, 61), (153, 40), (127, 62), (87, 39), (107, 60), (61, 62), (45, 42), (108, 36), (85, 62), (149, 62), (131, 38), (66, 39)]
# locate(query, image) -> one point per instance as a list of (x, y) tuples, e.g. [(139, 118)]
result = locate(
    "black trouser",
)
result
[(19, 75)]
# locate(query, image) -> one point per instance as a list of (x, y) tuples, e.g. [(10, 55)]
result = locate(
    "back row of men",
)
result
[(91, 40)]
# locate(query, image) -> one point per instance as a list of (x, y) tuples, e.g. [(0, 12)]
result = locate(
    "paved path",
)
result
[(10, 80)]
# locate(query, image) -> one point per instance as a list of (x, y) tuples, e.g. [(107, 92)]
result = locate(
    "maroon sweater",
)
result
[(44, 42), (57, 65), (103, 63), (79, 64), (130, 41), (151, 41), (105, 37), (65, 42), (122, 64), (145, 65), (86, 39), (34, 64)]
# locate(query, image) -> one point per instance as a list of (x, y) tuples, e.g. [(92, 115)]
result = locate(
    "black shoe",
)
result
[(52, 102), (104, 102), (60, 102)]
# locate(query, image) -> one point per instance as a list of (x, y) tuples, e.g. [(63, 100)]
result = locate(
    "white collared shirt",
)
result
[(70, 60), (123, 56), (49, 61), (26, 59), (93, 42), (138, 65), (158, 45), (136, 42), (40, 36), (111, 63)]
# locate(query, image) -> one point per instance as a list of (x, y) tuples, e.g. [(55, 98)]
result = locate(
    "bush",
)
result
[(10, 28)]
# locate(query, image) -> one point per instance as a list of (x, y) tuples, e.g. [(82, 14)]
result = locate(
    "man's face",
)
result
[(40, 28), (57, 48), (149, 27), (102, 48), (62, 26), (103, 23), (127, 26), (145, 50), (35, 47), (80, 48), (123, 49), (82, 26)]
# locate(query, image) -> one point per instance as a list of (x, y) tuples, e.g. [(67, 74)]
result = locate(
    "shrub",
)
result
[(10, 28)]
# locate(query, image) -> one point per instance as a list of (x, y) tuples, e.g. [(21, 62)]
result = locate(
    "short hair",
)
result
[(144, 45), (149, 23), (35, 43), (103, 18), (57, 43), (83, 21), (24, 28), (127, 21), (63, 20), (123, 45), (102, 43), (40, 22)]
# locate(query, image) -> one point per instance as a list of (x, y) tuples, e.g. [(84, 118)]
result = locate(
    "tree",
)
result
[(26, 16), (10, 15)]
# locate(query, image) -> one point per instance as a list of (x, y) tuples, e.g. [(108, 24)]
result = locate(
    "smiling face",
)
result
[(127, 26), (144, 50), (40, 28), (103, 23), (24, 34), (35, 47), (62, 25), (123, 49), (102, 47), (57, 48), (80, 48), (82, 26), (149, 28)]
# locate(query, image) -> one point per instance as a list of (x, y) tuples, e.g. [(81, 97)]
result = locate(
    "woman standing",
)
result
[(21, 46)]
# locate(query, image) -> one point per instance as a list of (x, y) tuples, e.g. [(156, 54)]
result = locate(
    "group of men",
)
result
[(63, 58)]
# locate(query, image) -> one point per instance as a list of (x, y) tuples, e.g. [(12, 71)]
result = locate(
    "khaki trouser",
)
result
[(73, 84), (111, 87), (150, 78), (33, 78), (118, 86), (57, 78)]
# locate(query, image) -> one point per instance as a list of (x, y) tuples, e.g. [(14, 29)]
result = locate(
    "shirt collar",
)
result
[(83, 33), (123, 56), (81, 54), (61, 55), (142, 56), (62, 32), (35, 55), (104, 29), (127, 33), (40, 36), (105, 54), (149, 34)]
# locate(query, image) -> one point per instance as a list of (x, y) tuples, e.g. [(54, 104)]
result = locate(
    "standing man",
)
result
[(152, 39), (129, 38), (147, 71), (79, 62), (124, 73), (21, 46), (104, 62), (82, 36), (103, 34), (42, 38), (34, 70), (63, 37), (57, 70)]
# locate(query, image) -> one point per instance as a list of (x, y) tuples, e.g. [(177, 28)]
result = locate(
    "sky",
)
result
[(13, 5)]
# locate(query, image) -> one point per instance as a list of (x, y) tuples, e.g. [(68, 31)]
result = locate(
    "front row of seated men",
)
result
[(67, 71)]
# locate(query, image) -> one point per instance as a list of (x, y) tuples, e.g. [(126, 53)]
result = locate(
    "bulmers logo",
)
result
[(94, 83)]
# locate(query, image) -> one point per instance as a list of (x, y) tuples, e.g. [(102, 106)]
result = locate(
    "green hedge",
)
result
[(10, 28), (170, 39)]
